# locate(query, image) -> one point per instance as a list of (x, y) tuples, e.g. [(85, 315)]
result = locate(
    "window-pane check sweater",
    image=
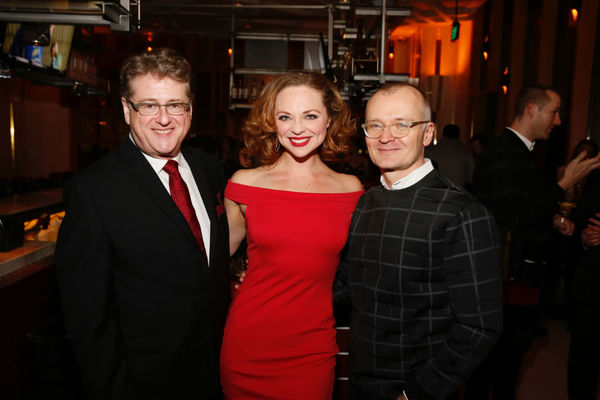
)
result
[(421, 272)]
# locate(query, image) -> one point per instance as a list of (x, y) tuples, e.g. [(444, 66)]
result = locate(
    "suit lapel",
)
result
[(515, 142), (209, 197), (144, 175)]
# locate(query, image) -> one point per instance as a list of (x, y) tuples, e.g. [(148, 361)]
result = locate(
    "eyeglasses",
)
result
[(148, 109), (374, 130)]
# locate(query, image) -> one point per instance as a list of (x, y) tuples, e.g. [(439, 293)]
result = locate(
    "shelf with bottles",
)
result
[(245, 88), (248, 83), (257, 58)]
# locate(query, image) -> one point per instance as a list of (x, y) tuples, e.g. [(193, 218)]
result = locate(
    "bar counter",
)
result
[(24, 261), (17, 209), (29, 301), (28, 230)]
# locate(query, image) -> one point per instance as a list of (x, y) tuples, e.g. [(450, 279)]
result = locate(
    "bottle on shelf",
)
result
[(253, 91), (244, 94), (359, 48), (234, 92)]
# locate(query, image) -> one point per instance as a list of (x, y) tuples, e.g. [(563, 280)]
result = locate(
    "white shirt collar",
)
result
[(526, 141), (411, 178), (157, 164)]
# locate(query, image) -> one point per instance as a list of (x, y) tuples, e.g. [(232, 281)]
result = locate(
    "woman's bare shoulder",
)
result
[(348, 183), (248, 177)]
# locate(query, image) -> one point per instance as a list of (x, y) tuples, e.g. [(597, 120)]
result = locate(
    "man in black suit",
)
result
[(511, 184), (525, 204), (143, 251), (420, 268)]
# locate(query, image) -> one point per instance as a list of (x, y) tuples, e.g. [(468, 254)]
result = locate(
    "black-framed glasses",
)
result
[(399, 129), (148, 109)]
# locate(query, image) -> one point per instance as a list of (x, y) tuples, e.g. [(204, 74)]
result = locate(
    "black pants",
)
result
[(357, 394), (584, 362), (584, 349), (499, 372)]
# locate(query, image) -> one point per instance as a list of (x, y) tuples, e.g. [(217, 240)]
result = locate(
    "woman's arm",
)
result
[(237, 224)]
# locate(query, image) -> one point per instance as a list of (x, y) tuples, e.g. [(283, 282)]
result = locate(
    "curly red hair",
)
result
[(259, 130)]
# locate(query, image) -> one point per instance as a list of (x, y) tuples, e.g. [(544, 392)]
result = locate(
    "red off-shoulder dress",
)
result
[(280, 340)]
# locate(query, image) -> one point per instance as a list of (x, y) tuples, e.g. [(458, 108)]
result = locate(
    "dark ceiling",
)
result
[(208, 18)]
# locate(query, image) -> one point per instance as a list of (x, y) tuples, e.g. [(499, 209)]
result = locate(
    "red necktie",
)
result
[(181, 197)]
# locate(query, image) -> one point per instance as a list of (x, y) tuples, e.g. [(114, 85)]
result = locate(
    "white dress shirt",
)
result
[(411, 178), (157, 165), (527, 142)]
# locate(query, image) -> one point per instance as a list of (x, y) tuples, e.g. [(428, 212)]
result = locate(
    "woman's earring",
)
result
[(277, 145)]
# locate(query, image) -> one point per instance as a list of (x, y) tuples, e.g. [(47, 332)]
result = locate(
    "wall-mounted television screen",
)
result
[(44, 46)]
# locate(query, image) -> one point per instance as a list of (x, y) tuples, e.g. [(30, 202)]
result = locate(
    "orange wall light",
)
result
[(574, 14), (485, 48), (505, 80)]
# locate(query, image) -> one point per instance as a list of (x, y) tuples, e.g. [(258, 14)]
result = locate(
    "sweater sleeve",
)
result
[(340, 285), (341, 290), (473, 277)]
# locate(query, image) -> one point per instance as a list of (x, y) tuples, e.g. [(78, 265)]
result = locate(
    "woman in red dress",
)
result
[(280, 340)]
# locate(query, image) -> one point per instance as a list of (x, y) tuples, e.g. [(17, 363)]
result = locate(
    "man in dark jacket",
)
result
[(421, 265), (525, 204), (142, 254), (515, 189)]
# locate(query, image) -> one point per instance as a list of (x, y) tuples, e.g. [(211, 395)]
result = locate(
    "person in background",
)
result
[(143, 252), (584, 289), (245, 159), (452, 158), (573, 193), (478, 144), (280, 340), (525, 205), (228, 154), (420, 267), (566, 248)]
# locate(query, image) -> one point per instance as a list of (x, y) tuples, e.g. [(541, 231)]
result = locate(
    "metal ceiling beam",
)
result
[(278, 36), (119, 13), (182, 6), (115, 14), (55, 18), (396, 12)]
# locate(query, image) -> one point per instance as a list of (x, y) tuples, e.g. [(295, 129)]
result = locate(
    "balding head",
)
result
[(391, 88), (399, 117)]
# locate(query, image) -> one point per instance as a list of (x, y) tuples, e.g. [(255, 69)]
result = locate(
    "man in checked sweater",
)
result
[(421, 265)]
